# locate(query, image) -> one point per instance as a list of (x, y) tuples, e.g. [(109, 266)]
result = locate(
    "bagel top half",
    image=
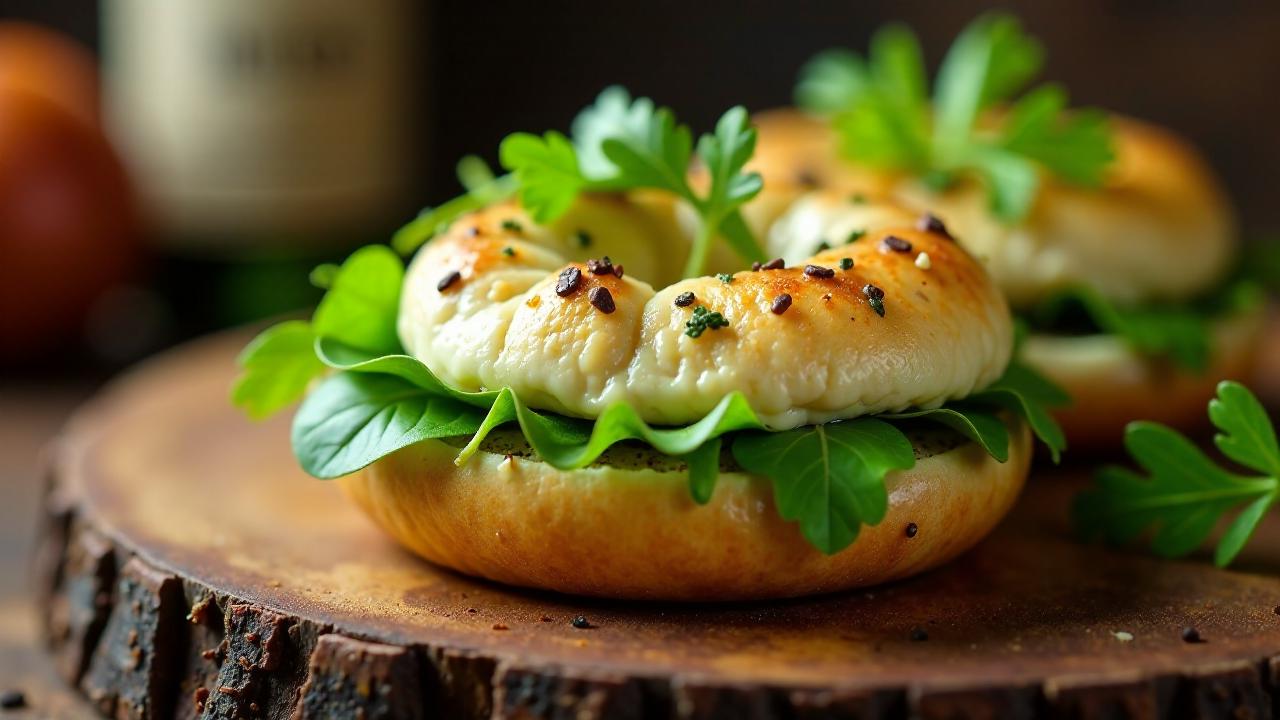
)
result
[(1159, 229), (487, 305)]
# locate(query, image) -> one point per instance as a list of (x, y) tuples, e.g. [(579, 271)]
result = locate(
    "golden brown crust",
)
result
[(1111, 385), (509, 322), (636, 533), (1160, 228)]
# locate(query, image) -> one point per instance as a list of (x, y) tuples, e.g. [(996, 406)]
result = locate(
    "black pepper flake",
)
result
[(875, 297), (774, 264), (817, 271), (846, 263), (602, 299), (855, 236), (912, 530), (929, 222), (600, 267), (448, 281), (780, 304), (569, 281), (580, 622), (583, 238), (509, 251), (919, 634), (806, 178), (12, 700), (512, 226), (685, 299), (473, 231), (617, 271), (895, 243), (1191, 635)]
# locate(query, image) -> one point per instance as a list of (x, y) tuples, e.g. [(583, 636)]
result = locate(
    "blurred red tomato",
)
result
[(44, 63), (68, 227)]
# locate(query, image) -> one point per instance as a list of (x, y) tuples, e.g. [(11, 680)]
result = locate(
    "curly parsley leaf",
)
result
[(546, 169), (829, 478), (879, 110), (1185, 494), (620, 144), (277, 366)]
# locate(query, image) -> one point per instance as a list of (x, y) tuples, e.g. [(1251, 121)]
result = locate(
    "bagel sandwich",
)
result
[(1112, 238), (565, 390)]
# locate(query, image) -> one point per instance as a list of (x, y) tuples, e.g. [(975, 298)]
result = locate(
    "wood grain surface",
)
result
[(191, 570)]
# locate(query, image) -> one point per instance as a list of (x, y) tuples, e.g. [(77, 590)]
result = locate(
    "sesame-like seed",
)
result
[(1191, 635), (602, 299), (569, 281), (1123, 636), (930, 223), (580, 622), (912, 530), (448, 281), (846, 263), (895, 243), (780, 304), (473, 231), (923, 262), (500, 626), (600, 267), (755, 266), (685, 299), (817, 271), (774, 264), (617, 271)]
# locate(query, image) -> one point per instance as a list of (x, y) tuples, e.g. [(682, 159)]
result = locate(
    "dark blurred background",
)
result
[(259, 138)]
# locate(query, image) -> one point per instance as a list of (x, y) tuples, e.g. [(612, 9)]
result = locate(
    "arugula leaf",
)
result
[(277, 366), (353, 419), (829, 478), (879, 110), (1029, 395), (1186, 494), (974, 422), (1179, 333), (363, 301), (621, 145)]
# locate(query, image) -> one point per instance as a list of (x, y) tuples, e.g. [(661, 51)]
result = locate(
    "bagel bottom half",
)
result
[(1111, 385), (626, 527)]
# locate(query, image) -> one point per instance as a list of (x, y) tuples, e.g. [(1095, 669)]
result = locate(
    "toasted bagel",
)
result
[(1111, 385), (1160, 229), (504, 318), (627, 527)]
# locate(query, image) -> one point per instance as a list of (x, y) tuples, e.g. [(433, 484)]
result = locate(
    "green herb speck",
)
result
[(823, 245), (877, 304), (858, 199), (724, 277), (509, 251), (512, 226), (583, 238), (855, 236), (703, 320), (846, 263)]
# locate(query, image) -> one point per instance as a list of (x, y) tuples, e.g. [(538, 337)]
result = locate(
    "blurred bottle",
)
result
[(263, 137)]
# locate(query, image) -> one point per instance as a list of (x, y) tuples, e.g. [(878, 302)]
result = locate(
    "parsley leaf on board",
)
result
[(1185, 494), (620, 144), (829, 478), (879, 109)]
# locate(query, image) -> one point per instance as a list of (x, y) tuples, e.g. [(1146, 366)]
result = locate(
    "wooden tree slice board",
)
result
[(193, 571)]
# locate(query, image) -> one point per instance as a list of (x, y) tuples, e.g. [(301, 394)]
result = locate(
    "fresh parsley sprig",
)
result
[(881, 110), (620, 144), (377, 400), (1186, 494)]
